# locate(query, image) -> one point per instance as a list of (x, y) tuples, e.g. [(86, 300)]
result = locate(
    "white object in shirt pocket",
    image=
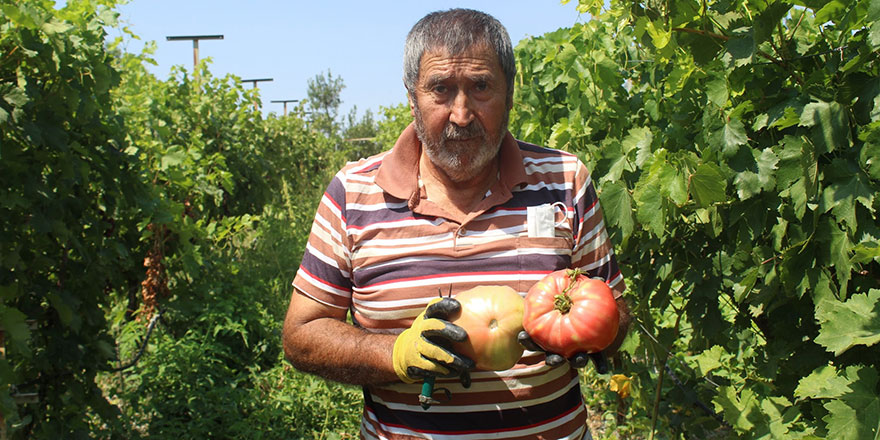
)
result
[(547, 221)]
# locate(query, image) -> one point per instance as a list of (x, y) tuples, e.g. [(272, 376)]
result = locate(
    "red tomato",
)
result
[(568, 313), (492, 317)]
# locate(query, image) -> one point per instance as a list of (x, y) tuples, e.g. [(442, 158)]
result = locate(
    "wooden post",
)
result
[(195, 54), (195, 39), (255, 81), (285, 101)]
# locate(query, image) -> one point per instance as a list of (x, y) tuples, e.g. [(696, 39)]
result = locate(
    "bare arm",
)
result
[(317, 340)]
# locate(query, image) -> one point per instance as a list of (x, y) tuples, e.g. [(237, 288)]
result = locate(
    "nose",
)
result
[(461, 113)]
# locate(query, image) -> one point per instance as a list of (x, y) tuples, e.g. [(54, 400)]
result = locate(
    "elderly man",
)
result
[(456, 203)]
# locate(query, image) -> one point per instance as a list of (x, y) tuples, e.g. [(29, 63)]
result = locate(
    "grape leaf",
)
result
[(733, 134), (740, 50), (617, 206), (673, 184), (737, 410), (841, 198), (173, 157), (873, 11), (560, 134), (874, 34), (708, 185), (823, 383), (855, 415), (844, 325), (638, 139), (660, 36), (766, 22), (870, 157), (717, 92), (651, 211), (833, 10), (794, 161), (866, 251), (710, 359), (767, 164), (748, 184), (830, 124)]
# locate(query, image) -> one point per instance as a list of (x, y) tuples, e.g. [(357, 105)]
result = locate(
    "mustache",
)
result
[(454, 132)]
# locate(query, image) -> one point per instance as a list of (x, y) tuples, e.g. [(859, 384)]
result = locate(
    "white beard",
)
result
[(460, 160)]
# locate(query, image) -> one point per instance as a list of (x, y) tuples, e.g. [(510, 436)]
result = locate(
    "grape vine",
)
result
[(735, 145)]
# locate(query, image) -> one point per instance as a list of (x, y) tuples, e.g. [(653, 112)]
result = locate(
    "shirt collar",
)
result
[(399, 172)]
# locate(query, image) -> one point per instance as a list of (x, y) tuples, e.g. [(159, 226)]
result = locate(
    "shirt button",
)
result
[(462, 232)]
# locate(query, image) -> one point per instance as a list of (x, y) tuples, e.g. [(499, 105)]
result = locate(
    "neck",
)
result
[(458, 197)]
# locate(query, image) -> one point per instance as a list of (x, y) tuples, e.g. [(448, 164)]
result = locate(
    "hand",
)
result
[(424, 349), (579, 360)]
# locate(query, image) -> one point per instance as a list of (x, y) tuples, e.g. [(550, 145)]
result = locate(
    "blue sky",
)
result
[(292, 41)]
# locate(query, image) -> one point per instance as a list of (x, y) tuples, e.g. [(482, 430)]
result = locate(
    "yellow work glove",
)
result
[(424, 349)]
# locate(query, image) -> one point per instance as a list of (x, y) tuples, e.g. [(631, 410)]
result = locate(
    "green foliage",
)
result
[(234, 197), (109, 171), (734, 145), (360, 135), (66, 214), (394, 120), (844, 325)]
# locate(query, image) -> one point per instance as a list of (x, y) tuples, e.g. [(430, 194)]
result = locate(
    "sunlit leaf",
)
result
[(638, 139), (651, 210), (845, 324), (717, 92), (730, 137), (617, 205), (710, 359), (824, 382), (173, 157), (855, 415), (866, 251), (832, 11), (660, 36), (738, 409)]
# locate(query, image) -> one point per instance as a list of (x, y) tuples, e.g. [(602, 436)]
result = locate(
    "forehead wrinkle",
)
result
[(441, 68)]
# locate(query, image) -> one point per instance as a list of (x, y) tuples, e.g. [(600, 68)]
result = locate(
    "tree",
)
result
[(360, 135), (324, 100)]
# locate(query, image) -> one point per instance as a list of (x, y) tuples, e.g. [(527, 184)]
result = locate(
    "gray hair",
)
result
[(457, 30)]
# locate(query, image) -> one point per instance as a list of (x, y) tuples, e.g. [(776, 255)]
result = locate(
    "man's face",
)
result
[(461, 110)]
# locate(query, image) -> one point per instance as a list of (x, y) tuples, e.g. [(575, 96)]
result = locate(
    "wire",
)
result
[(137, 357)]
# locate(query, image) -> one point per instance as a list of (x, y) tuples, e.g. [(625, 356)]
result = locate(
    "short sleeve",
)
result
[(325, 271), (593, 252)]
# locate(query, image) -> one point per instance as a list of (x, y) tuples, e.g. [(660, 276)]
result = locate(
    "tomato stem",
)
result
[(562, 302)]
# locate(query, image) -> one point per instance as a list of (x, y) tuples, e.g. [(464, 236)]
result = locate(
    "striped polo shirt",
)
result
[(382, 250)]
